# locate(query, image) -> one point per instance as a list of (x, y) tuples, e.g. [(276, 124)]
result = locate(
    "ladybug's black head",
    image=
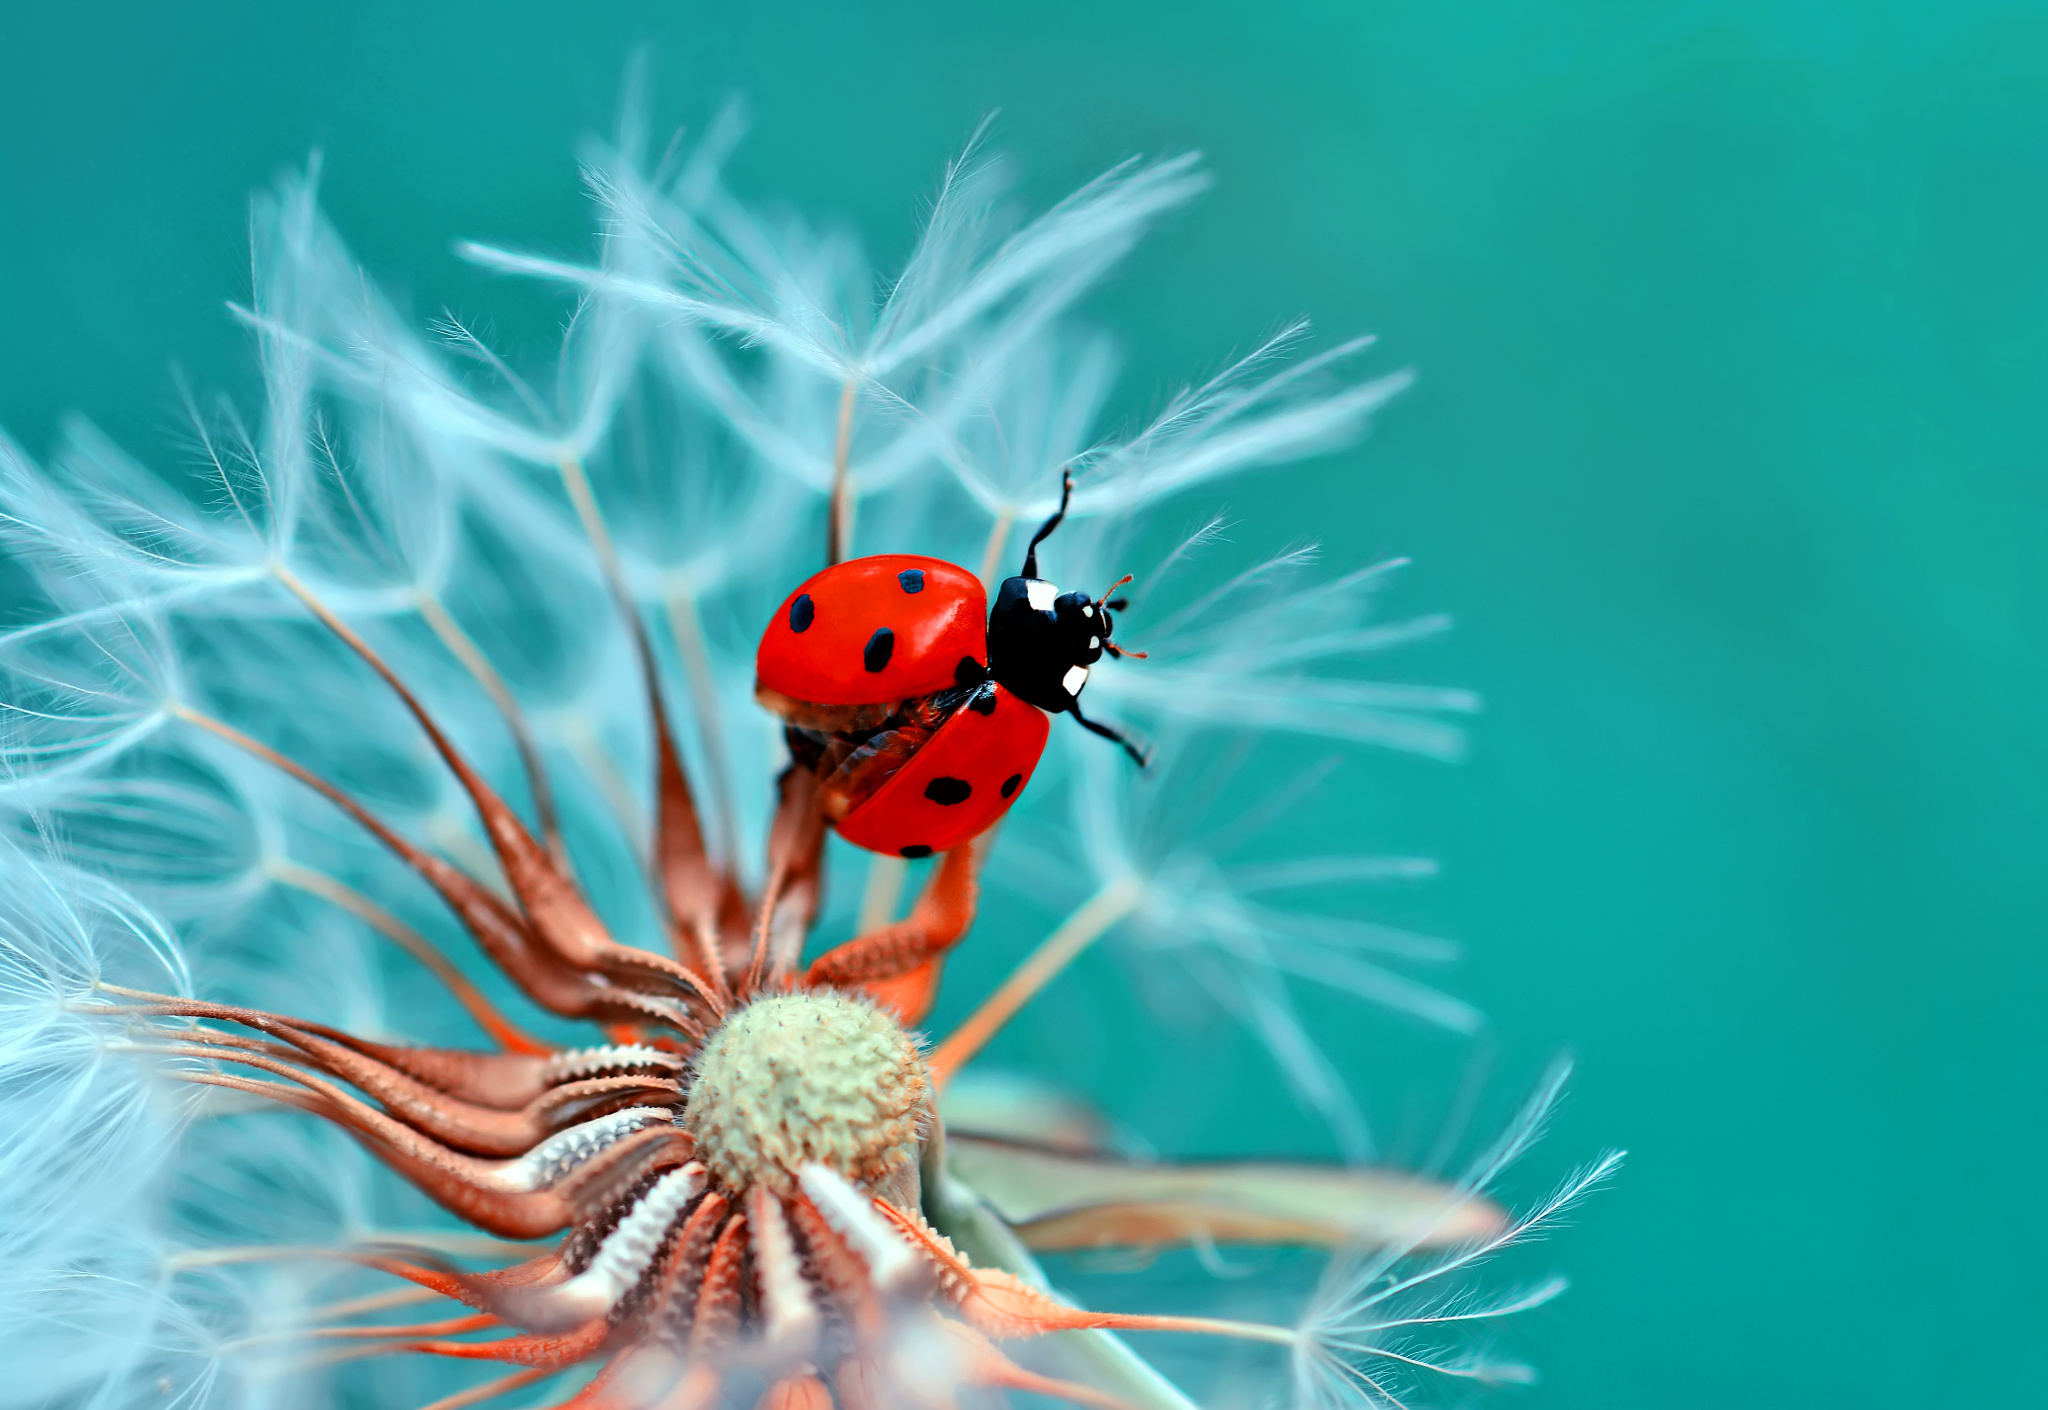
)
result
[(1041, 641)]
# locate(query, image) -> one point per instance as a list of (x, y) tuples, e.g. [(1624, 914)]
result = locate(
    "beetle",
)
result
[(922, 711)]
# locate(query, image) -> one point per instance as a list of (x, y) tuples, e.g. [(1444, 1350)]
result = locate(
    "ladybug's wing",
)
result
[(876, 630), (962, 780)]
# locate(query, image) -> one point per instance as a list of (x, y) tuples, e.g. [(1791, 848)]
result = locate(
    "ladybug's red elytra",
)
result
[(922, 712)]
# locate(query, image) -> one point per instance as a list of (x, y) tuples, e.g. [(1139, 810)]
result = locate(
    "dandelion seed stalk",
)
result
[(1074, 934)]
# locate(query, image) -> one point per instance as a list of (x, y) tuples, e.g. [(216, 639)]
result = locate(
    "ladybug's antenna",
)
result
[(1117, 606), (1031, 553)]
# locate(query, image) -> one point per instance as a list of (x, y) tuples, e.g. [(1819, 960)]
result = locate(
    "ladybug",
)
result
[(922, 711)]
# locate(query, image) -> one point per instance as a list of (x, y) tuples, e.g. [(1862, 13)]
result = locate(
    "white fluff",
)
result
[(1365, 1338)]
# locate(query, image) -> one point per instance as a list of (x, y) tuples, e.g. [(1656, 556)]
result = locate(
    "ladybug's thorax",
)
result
[(1042, 642)]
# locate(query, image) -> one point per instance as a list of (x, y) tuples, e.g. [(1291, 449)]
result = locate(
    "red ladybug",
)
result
[(922, 712)]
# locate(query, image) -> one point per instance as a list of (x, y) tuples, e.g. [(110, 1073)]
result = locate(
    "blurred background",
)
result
[(1727, 454)]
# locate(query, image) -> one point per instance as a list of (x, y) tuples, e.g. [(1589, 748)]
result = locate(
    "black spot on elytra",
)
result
[(969, 672), (911, 580), (983, 703), (947, 791), (875, 655), (1010, 784), (802, 613), (915, 850)]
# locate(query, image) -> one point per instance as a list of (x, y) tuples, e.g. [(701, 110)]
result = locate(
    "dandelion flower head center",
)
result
[(806, 1077)]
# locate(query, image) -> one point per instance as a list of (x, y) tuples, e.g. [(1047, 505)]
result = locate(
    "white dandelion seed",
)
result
[(1366, 1337)]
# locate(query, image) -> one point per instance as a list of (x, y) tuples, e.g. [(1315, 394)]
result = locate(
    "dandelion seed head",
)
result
[(803, 1078), (470, 521)]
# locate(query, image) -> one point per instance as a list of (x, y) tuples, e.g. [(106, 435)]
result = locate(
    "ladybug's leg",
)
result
[(1045, 529), (1107, 733), (935, 924)]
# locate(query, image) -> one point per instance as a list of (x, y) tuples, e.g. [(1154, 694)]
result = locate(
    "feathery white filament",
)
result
[(1358, 1334)]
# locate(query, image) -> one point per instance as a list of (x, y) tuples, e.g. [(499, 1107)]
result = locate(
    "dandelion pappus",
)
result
[(924, 725)]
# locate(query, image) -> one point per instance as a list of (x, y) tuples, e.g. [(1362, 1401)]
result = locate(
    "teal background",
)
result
[(1729, 453)]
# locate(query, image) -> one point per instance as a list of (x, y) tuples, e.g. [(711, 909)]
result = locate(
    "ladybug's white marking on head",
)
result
[(1094, 643), (1074, 679), (1088, 610), (1040, 594)]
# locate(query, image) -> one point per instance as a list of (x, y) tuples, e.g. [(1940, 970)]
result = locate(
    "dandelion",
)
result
[(391, 989)]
